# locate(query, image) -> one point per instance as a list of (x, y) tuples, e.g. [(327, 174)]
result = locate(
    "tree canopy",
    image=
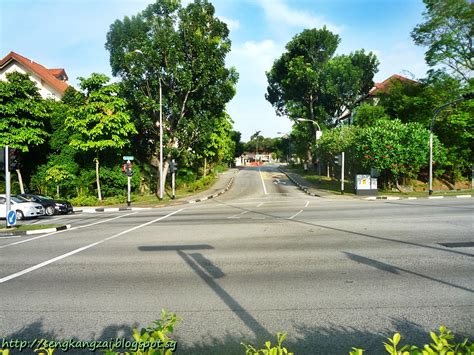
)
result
[(447, 32)]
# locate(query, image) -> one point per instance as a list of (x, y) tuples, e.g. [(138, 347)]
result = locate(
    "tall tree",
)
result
[(182, 50), (101, 122), (22, 115), (447, 32)]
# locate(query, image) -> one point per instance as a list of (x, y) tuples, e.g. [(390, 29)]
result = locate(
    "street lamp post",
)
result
[(318, 134), (160, 123), (468, 96)]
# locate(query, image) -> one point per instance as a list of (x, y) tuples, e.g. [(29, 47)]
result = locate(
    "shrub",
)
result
[(83, 200), (269, 349)]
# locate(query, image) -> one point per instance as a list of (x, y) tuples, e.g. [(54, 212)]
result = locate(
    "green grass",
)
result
[(29, 227)]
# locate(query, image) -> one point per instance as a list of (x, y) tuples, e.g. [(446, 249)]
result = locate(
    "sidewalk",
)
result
[(222, 184), (307, 187)]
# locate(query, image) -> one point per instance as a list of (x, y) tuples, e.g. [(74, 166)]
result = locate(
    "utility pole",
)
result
[(7, 185)]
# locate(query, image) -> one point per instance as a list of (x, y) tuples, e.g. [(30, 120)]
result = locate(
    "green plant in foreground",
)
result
[(158, 332), (442, 345), (268, 350)]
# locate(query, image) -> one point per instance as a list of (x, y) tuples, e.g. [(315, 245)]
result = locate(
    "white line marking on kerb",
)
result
[(60, 257), (73, 228), (295, 214), (263, 183)]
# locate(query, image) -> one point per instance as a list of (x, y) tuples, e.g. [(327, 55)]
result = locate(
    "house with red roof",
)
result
[(378, 88), (52, 83)]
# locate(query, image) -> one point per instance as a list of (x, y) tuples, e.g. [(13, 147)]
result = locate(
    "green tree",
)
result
[(397, 149), (182, 50), (367, 115), (447, 32), (101, 122), (22, 115)]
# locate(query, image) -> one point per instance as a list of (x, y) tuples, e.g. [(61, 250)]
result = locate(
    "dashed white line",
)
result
[(295, 214), (261, 203), (307, 204), (78, 250)]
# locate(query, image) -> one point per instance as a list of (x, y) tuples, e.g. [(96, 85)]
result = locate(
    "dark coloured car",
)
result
[(51, 206)]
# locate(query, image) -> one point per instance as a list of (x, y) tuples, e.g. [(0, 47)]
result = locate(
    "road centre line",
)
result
[(263, 183), (62, 231), (78, 250), (238, 214), (295, 214)]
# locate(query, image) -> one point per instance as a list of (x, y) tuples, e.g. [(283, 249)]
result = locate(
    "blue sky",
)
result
[(71, 34)]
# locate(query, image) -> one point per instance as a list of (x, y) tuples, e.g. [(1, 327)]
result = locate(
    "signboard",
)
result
[(363, 182), (11, 218), (128, 157)]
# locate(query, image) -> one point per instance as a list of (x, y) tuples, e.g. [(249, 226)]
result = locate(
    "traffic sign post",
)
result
[(7, 185), (11, 218), (128, 157), (129, 179)]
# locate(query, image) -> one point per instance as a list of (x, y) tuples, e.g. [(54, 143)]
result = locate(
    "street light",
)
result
[(160, 124), (468, 96), (288, 135), (318, 135)]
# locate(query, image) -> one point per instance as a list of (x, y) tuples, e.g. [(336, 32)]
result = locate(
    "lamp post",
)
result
[(318, 134), (160, 124), (288, 135), (468, 96)]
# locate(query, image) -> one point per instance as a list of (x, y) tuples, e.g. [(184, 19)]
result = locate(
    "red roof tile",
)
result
[(50, 76), (385, 85)]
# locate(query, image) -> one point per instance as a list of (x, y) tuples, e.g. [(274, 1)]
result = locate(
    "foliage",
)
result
[(397, 148), (447, 32), (181, 50), (101, 122), (443, 344), (22, 113), (309, 81), (278, 349), (159, 331), (367, 115)]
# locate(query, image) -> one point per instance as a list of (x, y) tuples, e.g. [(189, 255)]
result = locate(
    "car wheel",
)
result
[(49, 210), (19, 215)]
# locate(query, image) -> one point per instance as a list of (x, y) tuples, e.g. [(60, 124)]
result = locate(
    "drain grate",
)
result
[(458, 245)]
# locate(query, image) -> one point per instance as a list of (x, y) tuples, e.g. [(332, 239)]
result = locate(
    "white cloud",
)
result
[(280, 13), (403, 58), (231, 24)]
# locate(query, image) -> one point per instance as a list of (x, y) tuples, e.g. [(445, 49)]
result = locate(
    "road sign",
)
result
[(11, 218), (128, 157)]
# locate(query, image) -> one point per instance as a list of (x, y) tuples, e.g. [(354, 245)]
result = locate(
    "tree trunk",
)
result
[(205, 166), (99, 194), (57, 190), (20, 180)]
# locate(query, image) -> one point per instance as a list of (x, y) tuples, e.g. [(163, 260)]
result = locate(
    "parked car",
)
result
[(51, 206), (21, 206)]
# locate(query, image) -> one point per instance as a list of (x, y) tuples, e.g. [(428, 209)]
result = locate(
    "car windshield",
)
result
[(41, 197), (19, 199)]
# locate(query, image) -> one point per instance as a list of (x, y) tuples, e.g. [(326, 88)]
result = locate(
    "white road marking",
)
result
[(307, 204), (261, 203), (78, 250), (238, 214), (295, 214), (263, 183), (78, 227)]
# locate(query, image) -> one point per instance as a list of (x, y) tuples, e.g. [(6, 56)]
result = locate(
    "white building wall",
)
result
[(45, 90)]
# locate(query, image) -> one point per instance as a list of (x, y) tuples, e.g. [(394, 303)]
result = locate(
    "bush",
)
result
[(84, 201), (269, 349)]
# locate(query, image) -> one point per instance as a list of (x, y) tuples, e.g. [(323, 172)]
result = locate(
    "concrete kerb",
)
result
[(371, 198), (36, 231)]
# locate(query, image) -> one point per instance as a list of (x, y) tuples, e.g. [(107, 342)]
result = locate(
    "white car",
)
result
[(21, 206)]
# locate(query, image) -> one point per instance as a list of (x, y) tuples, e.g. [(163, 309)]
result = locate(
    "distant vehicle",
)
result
[(51, 206), (22, 207)]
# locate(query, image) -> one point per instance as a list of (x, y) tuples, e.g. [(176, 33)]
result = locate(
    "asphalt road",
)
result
[(262, 258)]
